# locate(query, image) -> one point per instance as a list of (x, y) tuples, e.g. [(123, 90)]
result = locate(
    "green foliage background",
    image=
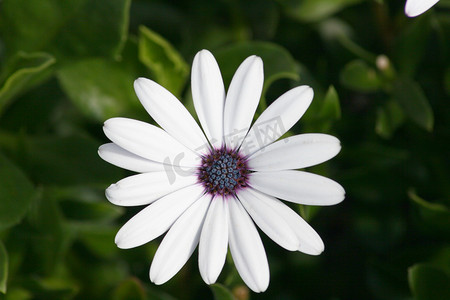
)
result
[(382, 85)]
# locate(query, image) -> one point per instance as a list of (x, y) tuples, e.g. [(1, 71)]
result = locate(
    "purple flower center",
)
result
[(223, 172)]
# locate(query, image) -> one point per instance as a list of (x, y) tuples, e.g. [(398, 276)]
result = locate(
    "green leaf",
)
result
[(129, 289), (100, 88), (51, 237), (308, 212), (52, 287), (389, 118), (22, 72), (16, 193), (278, 62), (89, 211), (411, 98), (18, 293), (436, 216), (98, 239), (415, 36), (166, 64), (357, 75), (157, 294), (386, 280), (441, 259), (220, 292), (70, 160), (65, 28), (331, 109), (3, 268), (323, 112), (428, 282), (315, 10), (99, 275), (447, 81)]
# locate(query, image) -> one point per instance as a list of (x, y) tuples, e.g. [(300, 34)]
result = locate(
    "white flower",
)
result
[(413, 8), (212, 190)]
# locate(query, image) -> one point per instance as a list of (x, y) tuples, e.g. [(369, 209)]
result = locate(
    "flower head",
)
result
[(209, 188), (413, 8)]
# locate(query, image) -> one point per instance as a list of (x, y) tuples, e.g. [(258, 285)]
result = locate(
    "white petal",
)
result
[(208, 94), (278, 118), (280, 222), (414, 8), (149, 141), (269, 220), (142, 189), (212, 249), (124, 159), (242, 99), (247, 249), (170, 113), (299, 151), (156, 218), (180, 242), (298, 187)]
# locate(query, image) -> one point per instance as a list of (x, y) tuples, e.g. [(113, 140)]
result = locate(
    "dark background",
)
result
[(381, 82)]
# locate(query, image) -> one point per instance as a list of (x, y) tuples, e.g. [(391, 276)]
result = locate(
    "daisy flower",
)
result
[(209, 188), (413, 8)]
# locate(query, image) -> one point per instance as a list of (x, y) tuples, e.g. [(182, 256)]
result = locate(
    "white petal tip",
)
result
[(203, 56), (111, 120), (262, 289), (255, 60), (209, 281), (314, 252), (315, 249), (110, 198), (259, 290), (338, 195), (108, 124), (143, 86), (414, 8), (156, 279), (258, 60), (123, 247), (341, 196), (101, 150), (110, 189), (259, 287), (306, 93), (156, 282), (412, 13), (140, 80), (409, 14), (210, 278), (336, 200), (204, 52), (120, 243)]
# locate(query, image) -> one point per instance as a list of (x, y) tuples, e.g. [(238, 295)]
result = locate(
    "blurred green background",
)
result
[(382, 85)]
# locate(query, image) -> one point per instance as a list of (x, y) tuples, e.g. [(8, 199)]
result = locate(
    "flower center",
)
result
[(223, 171)]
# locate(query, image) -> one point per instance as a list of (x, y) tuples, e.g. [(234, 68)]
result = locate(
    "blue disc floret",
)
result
[(223, 172)]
